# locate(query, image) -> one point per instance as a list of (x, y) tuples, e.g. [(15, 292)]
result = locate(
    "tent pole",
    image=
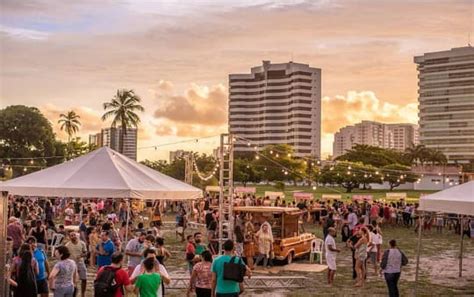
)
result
[(418, 251), (128, 218), (462, 243), (4, 288)]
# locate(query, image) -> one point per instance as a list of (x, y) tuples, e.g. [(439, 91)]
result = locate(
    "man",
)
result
[(140, 269), (352, 220), (331, 252), (104, 250), (43, 268), (147, 284), (392, 261), (199, 247), (15, 231), (221, 287), (78, 250), (121, 276), (134, 251), (374, 212)]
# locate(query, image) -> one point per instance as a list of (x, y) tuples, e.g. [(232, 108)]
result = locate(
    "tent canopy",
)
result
[(458, 200), (103, 173)]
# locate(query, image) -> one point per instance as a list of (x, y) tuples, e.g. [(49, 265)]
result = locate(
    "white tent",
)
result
[(458, 200), (102, 173)]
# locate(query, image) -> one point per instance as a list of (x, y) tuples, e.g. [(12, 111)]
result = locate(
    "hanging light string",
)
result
[(203, 176), (176, 142)]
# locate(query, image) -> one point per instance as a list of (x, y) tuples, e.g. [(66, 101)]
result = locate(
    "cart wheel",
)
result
[(289, 258)]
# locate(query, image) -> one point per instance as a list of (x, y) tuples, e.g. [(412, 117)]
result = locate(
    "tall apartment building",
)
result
[(111, 137), (446, 102), (393, 136), (277, 104)]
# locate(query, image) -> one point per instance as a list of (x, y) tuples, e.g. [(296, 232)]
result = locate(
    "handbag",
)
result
[(234, 271)]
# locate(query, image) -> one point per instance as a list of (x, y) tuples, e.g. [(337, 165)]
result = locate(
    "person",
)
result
[(43, 267), (331, 252), (249, 241), (25, 269), (134, 251), (140, 269), (329, 223), (122, 281), (352, 220), (201, 276), (15, 231), (361, 256), (265, 242), (372, 250), (190, 252), (63, 277), (239, 240), (161, 252), (104, 250), (392, 261), (38, 231), (220, 286), (147, 283), (93, 242), (78, 250), (199, 247)]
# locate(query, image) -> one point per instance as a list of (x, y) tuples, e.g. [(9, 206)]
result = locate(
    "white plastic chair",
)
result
[(56, 242), (316, 248)]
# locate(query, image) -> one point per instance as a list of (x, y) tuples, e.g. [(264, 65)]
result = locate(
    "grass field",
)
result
[(377, 194)]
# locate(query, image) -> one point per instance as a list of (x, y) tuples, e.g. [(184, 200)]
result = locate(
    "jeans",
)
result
[(64, 292), (392, 283)]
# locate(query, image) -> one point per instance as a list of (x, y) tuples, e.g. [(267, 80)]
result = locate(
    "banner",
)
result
[(245, 190), (298, 196), (331, 196), (396, 196), (274, 195), (362, 197), (213, 189)]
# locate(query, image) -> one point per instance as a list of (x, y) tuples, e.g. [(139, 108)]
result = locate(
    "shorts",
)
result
[(331, 262), (64, 292), (81, 270), (373, 257), (42, 286), (179, 230)]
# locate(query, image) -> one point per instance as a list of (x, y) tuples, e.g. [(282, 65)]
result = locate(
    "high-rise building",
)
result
[(111, 137), (391, 136), (446, 102), (277, 104)]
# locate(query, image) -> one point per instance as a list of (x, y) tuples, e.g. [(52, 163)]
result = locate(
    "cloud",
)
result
[(23, 33), (197, 110), (354, 107)]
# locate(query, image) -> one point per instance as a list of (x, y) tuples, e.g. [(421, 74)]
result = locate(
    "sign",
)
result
[(395, 196), (362, 197), (213, 189), (298, 196), (245, 190), (331, 196), (274, 195)]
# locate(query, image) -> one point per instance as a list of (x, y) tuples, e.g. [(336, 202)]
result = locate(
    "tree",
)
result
[(69, 123), (396, 175), (373, 155), (277, 163), (123, 108), (245, 171), (436, 157), (26, 133), (417, 154), (349, 175)]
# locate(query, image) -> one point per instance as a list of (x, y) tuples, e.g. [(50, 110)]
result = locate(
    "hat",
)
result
[(12, 219)]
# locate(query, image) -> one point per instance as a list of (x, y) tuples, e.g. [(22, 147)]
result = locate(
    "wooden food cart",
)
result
[(288, 241)]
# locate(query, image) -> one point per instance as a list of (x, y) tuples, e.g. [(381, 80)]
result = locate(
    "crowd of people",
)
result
[(94, 233)]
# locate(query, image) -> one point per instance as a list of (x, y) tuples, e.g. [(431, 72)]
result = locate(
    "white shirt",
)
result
[(136, 272), (330, 242), (352, 219)]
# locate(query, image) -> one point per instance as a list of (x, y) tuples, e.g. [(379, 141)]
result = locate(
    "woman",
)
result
[(93, 242), (39, 232), (161, 252), (201, 276), (24, 271), (264, 240), (64, 276), (361, 256), (239, 240)]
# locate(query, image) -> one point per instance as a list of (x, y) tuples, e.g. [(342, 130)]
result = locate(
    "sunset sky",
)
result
[(61, 55)]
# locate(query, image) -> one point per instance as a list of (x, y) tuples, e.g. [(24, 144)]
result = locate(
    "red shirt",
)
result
[(122, 279), (190, 248)]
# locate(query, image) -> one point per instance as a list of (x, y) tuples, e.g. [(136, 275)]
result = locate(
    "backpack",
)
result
[(105, 284)]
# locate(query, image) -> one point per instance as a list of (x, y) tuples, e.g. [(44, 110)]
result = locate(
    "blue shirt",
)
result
[(224, 286), (109, 249), (40, 257)]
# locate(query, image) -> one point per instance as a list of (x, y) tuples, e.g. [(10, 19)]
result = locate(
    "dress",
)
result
[(361, 252)]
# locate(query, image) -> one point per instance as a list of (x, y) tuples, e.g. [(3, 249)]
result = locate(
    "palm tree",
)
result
[(122, 108), (69, 123), (417, 153), (437, 157)]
